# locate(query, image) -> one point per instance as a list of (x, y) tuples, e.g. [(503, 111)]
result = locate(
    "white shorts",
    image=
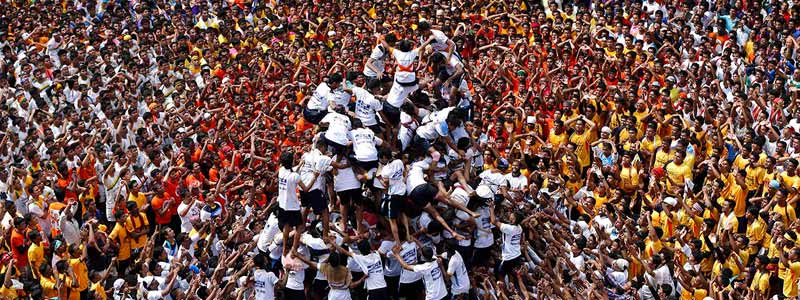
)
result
[(399, 93)]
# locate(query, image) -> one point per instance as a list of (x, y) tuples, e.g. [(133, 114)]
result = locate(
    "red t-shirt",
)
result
[(18, 240), (157, 203)]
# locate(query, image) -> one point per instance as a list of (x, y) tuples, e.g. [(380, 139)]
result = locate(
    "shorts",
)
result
[(410, 209), (390, 205), (507, 267), (290, 294), (411, 290), (420, 144), (320, 287), (377, 128), (479, 256), (336, 147), (366, 165), (423, 195), (292, 218), (392, 285), (377, 294), (315, 200), (348, 197), (392, 114), (313, 116), (276, 266)]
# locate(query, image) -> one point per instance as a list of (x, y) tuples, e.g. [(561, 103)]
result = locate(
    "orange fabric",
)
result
[(402, 68)]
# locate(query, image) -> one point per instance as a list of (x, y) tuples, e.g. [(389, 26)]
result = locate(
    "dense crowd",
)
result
[(475, 149)]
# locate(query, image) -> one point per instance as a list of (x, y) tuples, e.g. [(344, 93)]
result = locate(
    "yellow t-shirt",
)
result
[(81, 276), (121, 236), (790, 281), (132, 224), (728, 222), (139, 198), (678, 173), (787, 213), (754, 177), (662, 157), (649, 145), (699, 294), (581, 142), (99, 290), (756, 231), (8, 293), (35, 258), (760, 282), (556, 140), (48, 287), (651, 247), (790, 181), (629, 179), (739, 195), (740, 162)]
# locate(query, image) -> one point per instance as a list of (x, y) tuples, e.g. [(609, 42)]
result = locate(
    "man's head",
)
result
[(424, 28), (287, 160)]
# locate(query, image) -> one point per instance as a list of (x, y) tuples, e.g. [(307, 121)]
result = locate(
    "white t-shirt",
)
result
[(409, 255), (345, 179), (287, 190), (394, 172), (194, 211), (391, 268), (416, 175), (512, 238), (366, 106), (407, 128), (404, 60), (372, 263), (516, 183), (314, 160), (439, 40), (493, 180), (459, 282), (268, 233), (338, 128), (435, 288), (321, 97), (364, 142), (378, 57), (433, 130), (295, 278), (264, 284)]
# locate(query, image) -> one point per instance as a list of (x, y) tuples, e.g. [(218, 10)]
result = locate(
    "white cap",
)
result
[(118, 283), (530, 119), (671, 201), (621, 264), (484, 192), (606, 129)]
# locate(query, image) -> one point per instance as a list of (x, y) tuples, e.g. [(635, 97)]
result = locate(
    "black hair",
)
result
[(335, 78), (405, 46), (287, 160), (435, 227), (427, 253), (364, 247), (437, 58), (390, 39), (423, 25), (352, 75), (385, 153), (357, 123)]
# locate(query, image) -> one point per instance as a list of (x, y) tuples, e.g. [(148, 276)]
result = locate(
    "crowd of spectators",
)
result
[(388, 149)]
